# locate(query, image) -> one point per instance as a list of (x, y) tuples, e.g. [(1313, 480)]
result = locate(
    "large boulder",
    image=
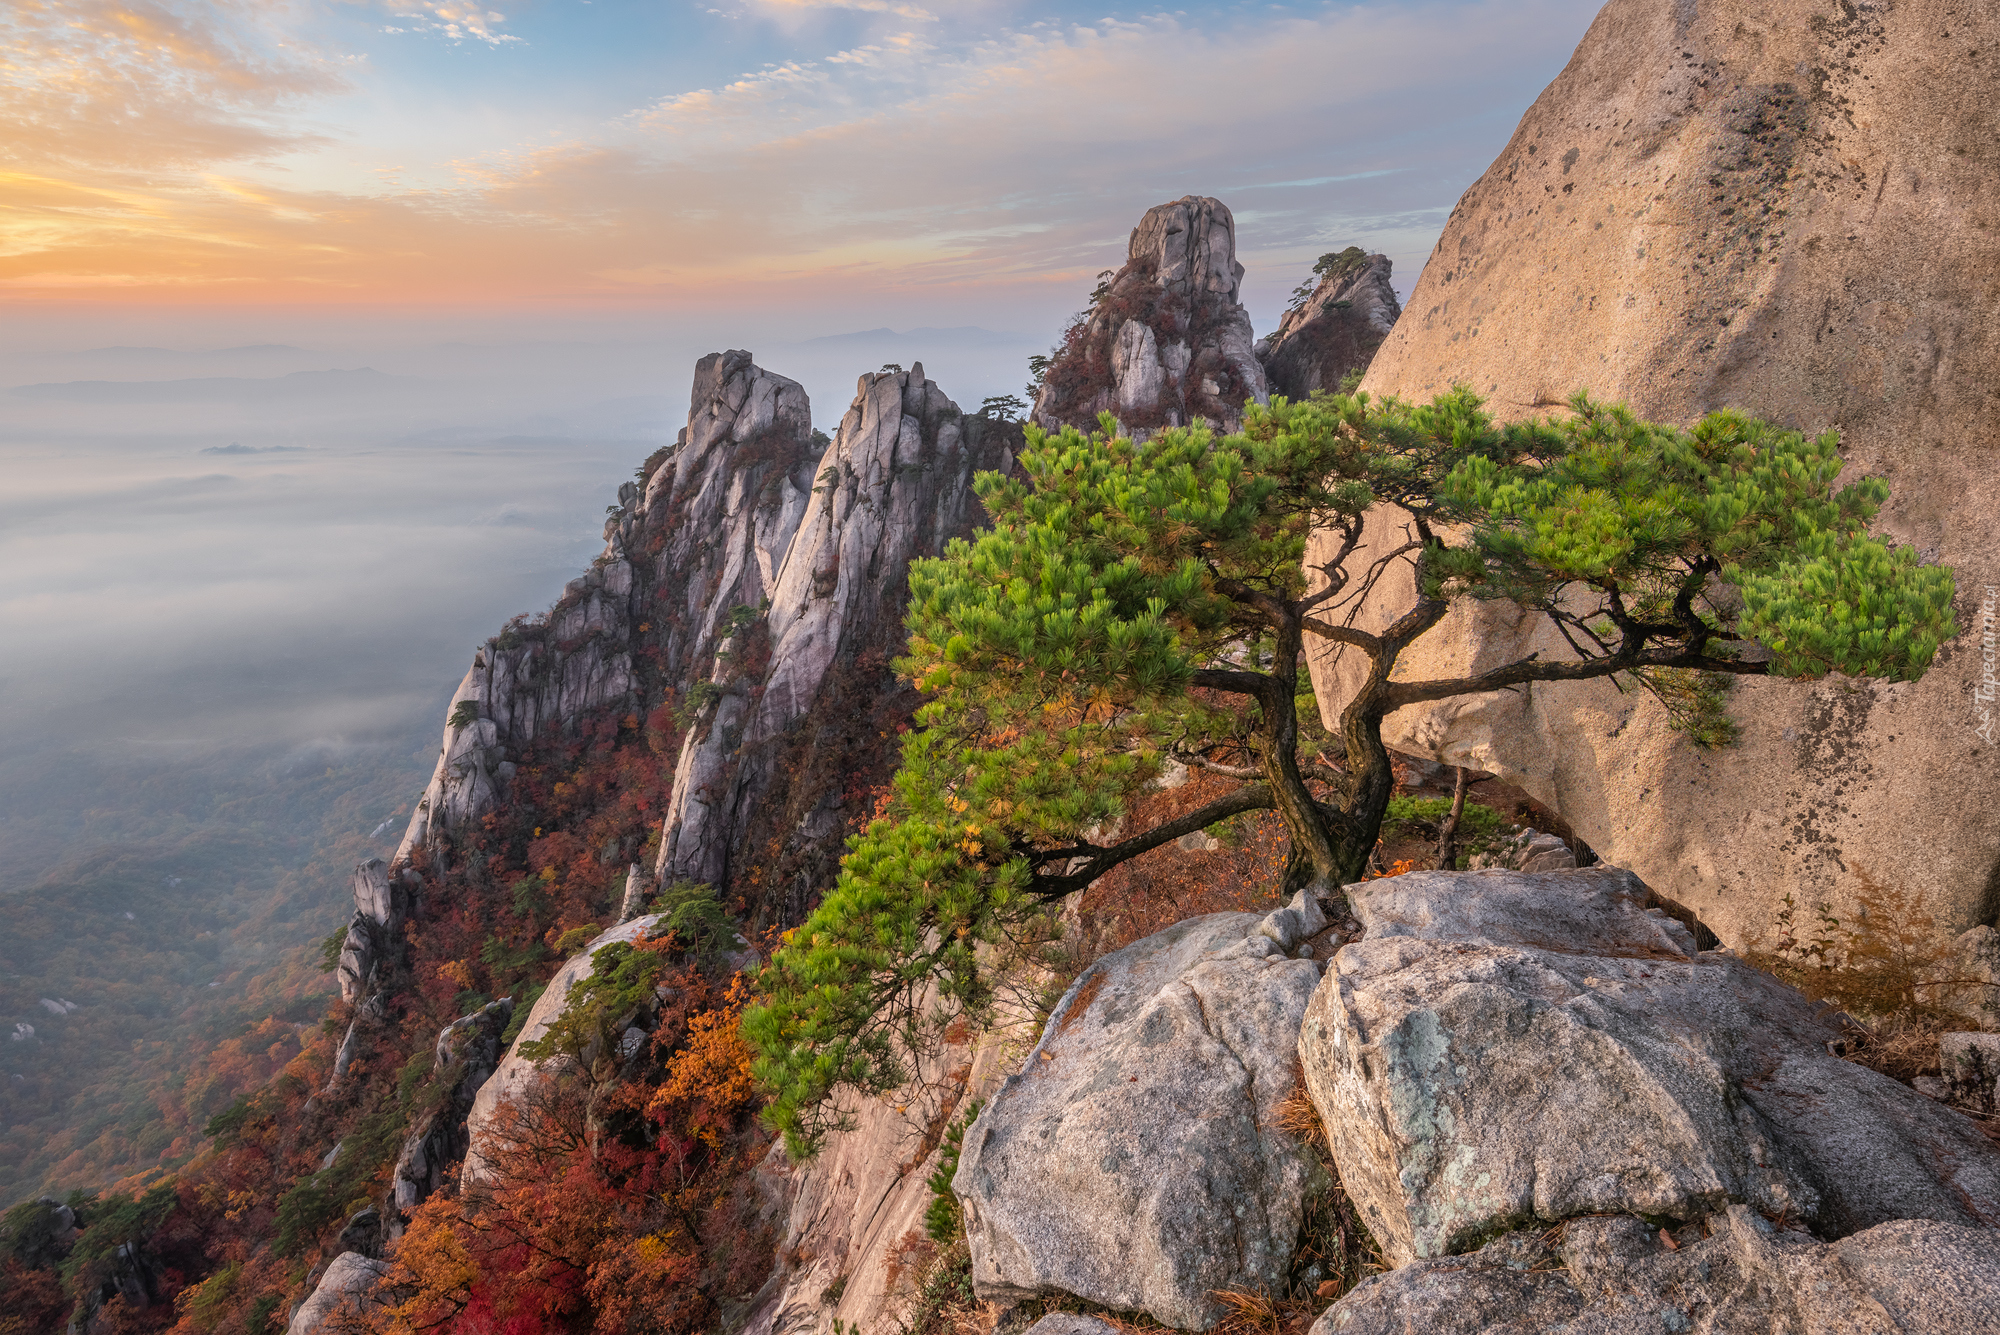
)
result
[(1166, 342), (1783, 206), (1735, 1273), (1504, 1050), (1133, 1161), (1335, 331)]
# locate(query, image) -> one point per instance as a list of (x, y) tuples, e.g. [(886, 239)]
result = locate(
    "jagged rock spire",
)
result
[(1166, 342), (895, 484), (1335, 330)]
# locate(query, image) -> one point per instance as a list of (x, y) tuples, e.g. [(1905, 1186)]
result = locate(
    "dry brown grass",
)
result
[(1251, 1314), (1298, 1118)]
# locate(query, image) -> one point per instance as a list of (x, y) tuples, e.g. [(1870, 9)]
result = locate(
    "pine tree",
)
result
[(1129, 593)]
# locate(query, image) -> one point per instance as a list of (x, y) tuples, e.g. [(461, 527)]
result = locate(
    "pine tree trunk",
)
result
[(1447, 857)]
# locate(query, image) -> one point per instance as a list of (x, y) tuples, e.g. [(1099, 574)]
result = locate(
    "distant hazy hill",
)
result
[(180, 354), (209, 389), (961, 336)]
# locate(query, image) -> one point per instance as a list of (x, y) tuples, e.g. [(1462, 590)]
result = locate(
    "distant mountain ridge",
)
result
[(204, 389)]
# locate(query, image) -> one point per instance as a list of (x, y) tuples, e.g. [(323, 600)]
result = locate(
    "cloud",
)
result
[(864, 6), (919, 165), (159, 83), (458, 22)]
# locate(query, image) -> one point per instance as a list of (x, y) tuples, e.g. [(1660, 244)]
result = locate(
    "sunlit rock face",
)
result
[(726, 504), (1335, 331), (1787, 208), (1167, 343), (894, 485)]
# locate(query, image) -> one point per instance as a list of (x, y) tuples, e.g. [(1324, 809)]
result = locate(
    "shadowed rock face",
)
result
[(895, 485), (1168, 344), (1786, 207), (470, 1044), (1334, 331)]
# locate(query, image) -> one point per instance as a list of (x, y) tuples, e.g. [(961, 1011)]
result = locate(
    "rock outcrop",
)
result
[(894, 485), (1788, 208), (845, 1221), (380, 903), (516, 1077), (1734, 1274), (1133, 1161), (1335, 331), (1506, 1050), (469, 1048), (343, 1296), (1166, 343)]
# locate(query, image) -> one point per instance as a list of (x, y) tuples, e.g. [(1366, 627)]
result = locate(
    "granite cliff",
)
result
[(1788, 209)]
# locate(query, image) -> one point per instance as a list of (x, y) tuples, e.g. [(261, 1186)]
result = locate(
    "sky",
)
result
[(937, 163), (328, 327)]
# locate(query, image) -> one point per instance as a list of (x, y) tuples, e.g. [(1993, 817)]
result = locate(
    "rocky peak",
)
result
[(692, 544), (1165, 342), (894, 485), (722, 505), (1336, 329), (1190, 247)]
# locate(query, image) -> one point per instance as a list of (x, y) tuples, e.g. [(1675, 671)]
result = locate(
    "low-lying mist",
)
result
[(239, 578)]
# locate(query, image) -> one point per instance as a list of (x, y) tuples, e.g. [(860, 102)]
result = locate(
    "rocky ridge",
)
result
[(894, 485)]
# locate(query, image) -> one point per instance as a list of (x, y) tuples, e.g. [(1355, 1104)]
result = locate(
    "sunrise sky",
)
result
[(844, 163)]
